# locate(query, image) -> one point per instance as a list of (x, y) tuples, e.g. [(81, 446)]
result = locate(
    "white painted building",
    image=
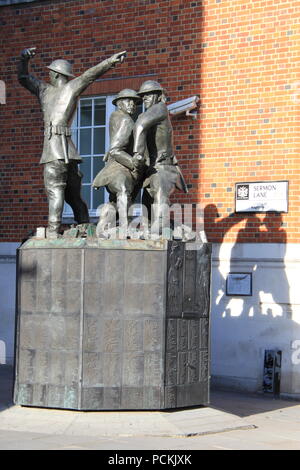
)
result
[(7, 302), (243, 327)]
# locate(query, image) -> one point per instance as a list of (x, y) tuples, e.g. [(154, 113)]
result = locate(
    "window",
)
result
[(91, 138)]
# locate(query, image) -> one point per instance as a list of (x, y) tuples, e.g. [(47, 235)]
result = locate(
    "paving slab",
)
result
[(183, 423), (176, 423), (233, 421)]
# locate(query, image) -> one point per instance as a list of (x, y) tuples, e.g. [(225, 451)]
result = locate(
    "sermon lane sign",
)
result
[(261, 196)]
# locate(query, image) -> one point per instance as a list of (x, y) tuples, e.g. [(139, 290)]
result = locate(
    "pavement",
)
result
[(232, 421)]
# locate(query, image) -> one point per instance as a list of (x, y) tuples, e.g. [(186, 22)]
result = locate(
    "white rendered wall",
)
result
[(7, 301), (243, 327)]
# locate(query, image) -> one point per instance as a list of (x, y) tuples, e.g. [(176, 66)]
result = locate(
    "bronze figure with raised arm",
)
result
[(58, 100), (153, 134)]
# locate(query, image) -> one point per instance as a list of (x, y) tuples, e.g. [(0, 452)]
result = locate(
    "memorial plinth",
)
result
[(107, 325)]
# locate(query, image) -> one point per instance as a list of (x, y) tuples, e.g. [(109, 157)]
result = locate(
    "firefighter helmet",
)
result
[(61, 66), (127, 93), (150, 85)]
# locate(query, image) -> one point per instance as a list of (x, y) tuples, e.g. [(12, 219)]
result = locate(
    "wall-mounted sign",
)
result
[(239, 284), (261, 196)]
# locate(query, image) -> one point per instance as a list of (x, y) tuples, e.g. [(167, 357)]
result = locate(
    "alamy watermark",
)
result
[(296, 354), (176, 221)]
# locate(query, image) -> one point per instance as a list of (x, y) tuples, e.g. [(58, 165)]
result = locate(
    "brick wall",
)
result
[(241, 57), (250, 120)]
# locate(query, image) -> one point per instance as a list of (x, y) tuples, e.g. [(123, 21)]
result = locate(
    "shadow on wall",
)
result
[(266, 230), (244, 326)]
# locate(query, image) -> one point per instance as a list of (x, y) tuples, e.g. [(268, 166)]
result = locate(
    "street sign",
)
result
[(261, 196)]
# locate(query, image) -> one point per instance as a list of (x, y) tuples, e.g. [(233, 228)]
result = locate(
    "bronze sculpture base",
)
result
[(112, 324)]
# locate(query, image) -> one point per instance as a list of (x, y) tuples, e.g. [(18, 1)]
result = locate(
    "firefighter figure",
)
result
[(58, 100), (153, 145), (121, 175)]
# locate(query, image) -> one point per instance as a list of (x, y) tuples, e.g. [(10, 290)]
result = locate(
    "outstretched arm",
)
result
[(145, 121), (25, 79), (79, 84)]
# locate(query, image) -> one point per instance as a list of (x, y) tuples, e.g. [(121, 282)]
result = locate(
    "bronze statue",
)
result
[(58, 100), (153, 133), (121, 175)]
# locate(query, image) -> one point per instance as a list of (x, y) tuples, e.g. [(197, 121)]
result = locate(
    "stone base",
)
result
[(112, 324)]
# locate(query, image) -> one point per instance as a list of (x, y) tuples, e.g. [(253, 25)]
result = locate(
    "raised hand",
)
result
[(118, 58), (28, 53)]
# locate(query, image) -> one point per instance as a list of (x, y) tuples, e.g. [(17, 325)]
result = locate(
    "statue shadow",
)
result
[(244, 326)]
